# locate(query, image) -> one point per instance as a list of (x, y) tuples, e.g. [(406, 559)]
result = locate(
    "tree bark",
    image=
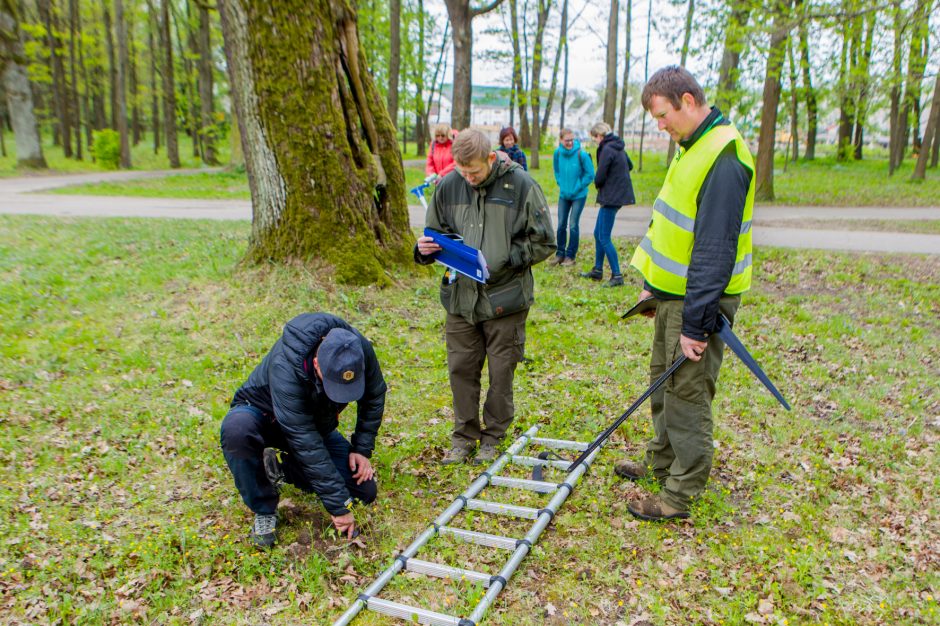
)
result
[(153, 22), (461, 15), (421, 116), (59, 88), (518, 87), (169, 88), (133, 84), (626, 72), (610, 94), (847, 69), (16, 87), (794, 103), (735, 40), (930, 133), (207, 130), (121, 25), (322, 157), (73, 92), (863, 88), (394, 58), (544, 6), (764, 176), (564, 84), (811, 108), (112, 64), (916, 62)]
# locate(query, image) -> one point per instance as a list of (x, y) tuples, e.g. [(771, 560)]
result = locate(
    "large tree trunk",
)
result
[(153, 22), (621, 119), (811, 107), (610, 94), (863, 88), (112, 63), (421, 116), (189, 77), (916, 62), (536, 83), (394, 58), (169, 88), (207, 132), (461, 17), (564, 84), (764, 177), (73, 92), (794, 104), (847, 69), (930, 133), (121, 25), (735, 40), (133, 86), (323, 162), (59, 87), (16, 87)]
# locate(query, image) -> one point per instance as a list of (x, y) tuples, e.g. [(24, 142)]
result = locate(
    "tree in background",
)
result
[(15, 83), (461, 15), (321, 152)]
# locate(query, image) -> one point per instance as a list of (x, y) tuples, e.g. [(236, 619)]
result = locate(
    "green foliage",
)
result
[(124, 340), (106, 148)]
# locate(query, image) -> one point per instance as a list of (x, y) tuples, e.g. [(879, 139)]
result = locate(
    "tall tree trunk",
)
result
[(564, 83), (321, 151), (394, 57), (192, 118), (133, 85), (847, 70), (121, 26), (461, 17), (536, 83), (794, 103), (207, 127), (169, 88), (864, 87), (811, 107), (518, 87), (555, 65), (86, 100), (626, 73), (59, 87), (646, 77), (916, 62), (764, 177), (735, 40), (930, 133), (73, 92), (690, 14), (112, 63), (421, 116), (153, 24), (16, 87), (610, 94), (894, 115), (935, 150)]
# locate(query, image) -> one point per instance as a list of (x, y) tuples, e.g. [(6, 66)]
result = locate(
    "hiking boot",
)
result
[(272, 468), (556, 260), (486, 454), (631, 470), (262, 531), (615, 281), (594, 274), (568, 262), (653, 509), (457, 454)]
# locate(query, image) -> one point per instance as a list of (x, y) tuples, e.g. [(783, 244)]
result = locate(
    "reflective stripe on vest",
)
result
[(664, 254)]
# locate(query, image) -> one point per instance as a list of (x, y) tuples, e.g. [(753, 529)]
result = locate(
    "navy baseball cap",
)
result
[(342, 365)]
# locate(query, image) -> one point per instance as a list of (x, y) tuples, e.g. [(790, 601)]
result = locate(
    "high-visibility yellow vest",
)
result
[(664, 254)]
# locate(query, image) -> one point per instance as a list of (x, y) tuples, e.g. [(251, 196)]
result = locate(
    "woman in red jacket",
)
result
[(440, 160)]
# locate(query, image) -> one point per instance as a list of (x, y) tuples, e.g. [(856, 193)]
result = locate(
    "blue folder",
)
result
[(458, 256)]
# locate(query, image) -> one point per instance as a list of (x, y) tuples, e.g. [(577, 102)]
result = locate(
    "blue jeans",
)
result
[(569, 208), (246, 432), (603, 246)]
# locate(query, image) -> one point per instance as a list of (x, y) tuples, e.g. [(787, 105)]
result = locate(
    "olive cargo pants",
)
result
[(501, 343), (680, 453)]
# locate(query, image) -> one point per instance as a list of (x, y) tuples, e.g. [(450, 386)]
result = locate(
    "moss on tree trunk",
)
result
[(324, 168)]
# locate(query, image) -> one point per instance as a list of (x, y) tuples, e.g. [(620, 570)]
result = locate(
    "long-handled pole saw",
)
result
[(726, 335)]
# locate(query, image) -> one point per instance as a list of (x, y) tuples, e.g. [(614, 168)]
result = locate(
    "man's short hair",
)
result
[(565, 131), (670, 83), (600, 128), (470, 146)]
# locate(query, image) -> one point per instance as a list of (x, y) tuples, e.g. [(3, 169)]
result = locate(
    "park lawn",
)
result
[(124, 340)]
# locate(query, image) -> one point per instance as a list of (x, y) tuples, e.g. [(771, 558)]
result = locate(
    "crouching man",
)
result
[(290, 407)]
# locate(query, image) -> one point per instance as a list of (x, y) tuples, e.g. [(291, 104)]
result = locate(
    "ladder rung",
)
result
[(411, 613), (531, 461), (525, 512), (484, 539), (560, 443), (524, 483), (445, 571)]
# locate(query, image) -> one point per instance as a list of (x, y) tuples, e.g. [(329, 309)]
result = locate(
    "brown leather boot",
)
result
[(653, 509), (631, 470)]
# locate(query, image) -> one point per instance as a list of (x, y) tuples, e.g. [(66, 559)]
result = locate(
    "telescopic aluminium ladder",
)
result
[(467, 500)]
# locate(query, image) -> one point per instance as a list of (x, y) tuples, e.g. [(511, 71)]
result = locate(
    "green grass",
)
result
[(124, 339)]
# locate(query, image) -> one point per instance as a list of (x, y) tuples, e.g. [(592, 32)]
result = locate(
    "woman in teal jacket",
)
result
[(574, 172)]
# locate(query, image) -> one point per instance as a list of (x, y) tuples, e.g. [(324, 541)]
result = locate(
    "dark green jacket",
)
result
[(507, 219)]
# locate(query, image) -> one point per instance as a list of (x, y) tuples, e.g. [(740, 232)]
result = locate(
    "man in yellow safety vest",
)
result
[(696, 261)]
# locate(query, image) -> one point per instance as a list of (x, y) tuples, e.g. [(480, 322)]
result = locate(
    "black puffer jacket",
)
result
[(614, 187), (286, 386)]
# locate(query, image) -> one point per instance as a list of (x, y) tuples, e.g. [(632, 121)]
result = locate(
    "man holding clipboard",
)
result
[(500, 211)]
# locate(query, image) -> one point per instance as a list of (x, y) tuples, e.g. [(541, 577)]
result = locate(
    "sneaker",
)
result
[(556, 260), (568, 262), (486, 454), (653, 509), (594, 274), (615, 281), (262, 531), (457, 454), (272, 468), (631, 470)]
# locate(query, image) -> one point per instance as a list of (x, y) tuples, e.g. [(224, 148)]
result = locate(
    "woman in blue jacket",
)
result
[(614, 189), (574, 173), (508, 143)]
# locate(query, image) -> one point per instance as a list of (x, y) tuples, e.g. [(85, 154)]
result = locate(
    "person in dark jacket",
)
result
[(614, 189), (509, 143), (291, 403)]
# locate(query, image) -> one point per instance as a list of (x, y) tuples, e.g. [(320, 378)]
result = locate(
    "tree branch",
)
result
[(484, 9)]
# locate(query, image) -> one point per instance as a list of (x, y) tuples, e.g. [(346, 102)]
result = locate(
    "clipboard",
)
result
[(458, 256), (646, 304)]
